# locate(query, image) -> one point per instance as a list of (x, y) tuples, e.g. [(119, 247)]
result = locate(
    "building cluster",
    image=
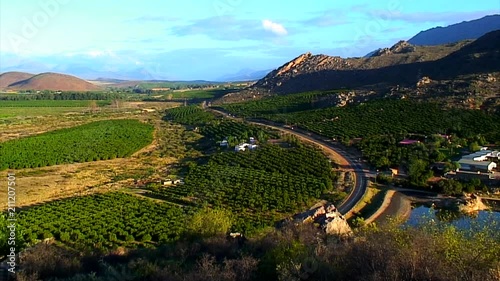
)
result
[(242, 146), (483, 161)]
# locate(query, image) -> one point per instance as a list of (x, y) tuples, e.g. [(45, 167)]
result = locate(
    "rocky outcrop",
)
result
[(402, 47), (329, 219), (423, 81), (294, 63), (473, 203)]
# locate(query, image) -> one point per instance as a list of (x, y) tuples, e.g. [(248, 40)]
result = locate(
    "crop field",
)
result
[(103, 221), (27, 108), (259, 187), (279, 104), (217, 129), (50, 103), (13, 112), (100, 140), (375, 118), (189, 115)]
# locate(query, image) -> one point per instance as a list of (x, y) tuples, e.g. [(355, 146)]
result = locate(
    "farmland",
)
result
[(91, 142), (103, 221), (50, 103), (259, 187), (374, 118), (189, 115)]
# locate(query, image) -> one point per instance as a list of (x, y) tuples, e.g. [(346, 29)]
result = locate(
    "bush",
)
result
[(210, 222)]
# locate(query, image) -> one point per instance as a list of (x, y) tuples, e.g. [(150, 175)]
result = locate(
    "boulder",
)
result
[(337, 226), (329, 218)]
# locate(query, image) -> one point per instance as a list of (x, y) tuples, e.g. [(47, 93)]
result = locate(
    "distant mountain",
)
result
[(245, 75), (457, 32), (8, 78), (91, 74), (54, 82)]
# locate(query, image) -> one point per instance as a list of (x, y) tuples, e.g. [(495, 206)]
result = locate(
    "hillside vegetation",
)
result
[(373, 118), (432, 251)]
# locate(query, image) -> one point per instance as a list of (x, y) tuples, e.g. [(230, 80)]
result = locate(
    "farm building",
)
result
[(224, 143), (483, 155), (467, 164), (244, 146)]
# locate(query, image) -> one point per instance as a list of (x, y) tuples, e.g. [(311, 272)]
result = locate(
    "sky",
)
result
[(207, 39)]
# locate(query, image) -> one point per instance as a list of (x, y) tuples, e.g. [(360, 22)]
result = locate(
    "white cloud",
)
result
[(274, 27)]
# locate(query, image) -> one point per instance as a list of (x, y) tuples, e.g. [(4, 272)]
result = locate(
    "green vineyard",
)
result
[(259, 187), (189, 115), (103, 221), (375, 118), (51, 103), (100, 140)]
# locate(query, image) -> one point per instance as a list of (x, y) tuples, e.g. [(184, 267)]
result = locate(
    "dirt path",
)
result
[(395, 205)]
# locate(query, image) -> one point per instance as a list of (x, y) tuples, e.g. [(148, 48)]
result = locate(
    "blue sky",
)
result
[(207, 39)]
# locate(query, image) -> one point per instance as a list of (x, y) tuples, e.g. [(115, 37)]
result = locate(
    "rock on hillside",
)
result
[(328, 217), (402, 47)]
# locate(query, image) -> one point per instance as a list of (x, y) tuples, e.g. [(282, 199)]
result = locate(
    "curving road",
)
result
[(360, 170)]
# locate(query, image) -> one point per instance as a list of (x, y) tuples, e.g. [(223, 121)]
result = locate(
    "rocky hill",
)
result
[(457, 32), (53, 82), (9, 78), (463, 68)]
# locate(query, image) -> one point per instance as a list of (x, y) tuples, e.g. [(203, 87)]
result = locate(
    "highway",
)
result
[(361, 172)]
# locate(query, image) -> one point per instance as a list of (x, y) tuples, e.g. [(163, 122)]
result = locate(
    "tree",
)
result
[(450, 187), (418, 173), (210, 222), (474, 146)]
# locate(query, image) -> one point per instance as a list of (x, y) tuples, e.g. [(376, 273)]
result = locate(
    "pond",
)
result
[(420, 214)]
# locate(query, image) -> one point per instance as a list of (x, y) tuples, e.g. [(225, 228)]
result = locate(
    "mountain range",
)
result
[(88, 67), (468, 71), (457, 32)]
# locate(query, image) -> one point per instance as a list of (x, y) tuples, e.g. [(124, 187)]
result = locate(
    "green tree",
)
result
[(474, 146), (210, 222), (418, 172)]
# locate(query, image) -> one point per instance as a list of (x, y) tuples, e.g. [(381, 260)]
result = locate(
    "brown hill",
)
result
[(9, 78), (54, 82)]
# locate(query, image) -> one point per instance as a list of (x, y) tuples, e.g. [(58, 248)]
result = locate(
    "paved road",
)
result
[(360, 170)]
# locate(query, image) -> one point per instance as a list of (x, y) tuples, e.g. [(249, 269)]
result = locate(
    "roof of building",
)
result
[(482, 153), (470, 162), (407, 141)]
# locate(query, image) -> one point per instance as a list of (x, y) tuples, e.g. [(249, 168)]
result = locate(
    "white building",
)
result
[(482, 155), (244, 146), (476, 166)]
